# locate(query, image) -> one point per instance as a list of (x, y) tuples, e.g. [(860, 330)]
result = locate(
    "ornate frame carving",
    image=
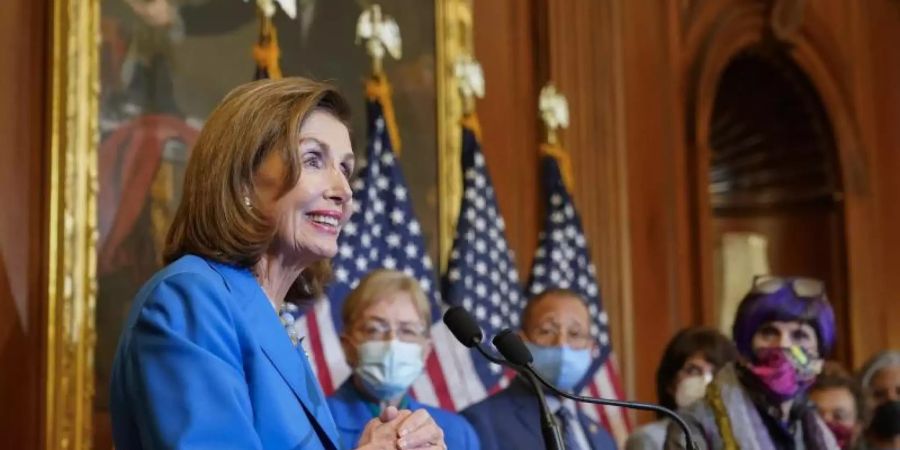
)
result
[(72, 228), (454, 28), (73, 188)]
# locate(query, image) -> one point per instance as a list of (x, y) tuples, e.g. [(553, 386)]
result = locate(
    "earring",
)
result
[(247, 201)]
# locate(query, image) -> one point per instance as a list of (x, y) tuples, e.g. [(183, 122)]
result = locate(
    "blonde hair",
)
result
[(379, 283), (253, 121)]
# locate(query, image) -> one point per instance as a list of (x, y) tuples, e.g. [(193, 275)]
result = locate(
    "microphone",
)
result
[(514, 350), (466, 330)]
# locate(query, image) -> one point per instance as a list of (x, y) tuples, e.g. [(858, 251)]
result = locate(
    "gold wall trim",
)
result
[(72, 284), (454, 26)]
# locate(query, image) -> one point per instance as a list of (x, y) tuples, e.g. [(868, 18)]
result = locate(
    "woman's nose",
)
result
[(339, 189)]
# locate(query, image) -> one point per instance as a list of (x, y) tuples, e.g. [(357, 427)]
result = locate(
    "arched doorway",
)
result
[(774, 182)]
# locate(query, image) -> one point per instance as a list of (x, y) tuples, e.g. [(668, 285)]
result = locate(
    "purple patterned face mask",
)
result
[(784, 372)]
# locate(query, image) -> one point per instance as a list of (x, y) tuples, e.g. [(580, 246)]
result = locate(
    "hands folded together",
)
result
[(402, 429)]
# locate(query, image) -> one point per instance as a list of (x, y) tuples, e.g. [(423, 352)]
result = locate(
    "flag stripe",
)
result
[(460, 377), (600, 410), (438, 384), (617, 387), (324, 375), (423, 390), (614, 415), (335, 360)]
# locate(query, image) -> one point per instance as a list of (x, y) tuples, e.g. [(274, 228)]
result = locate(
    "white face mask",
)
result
[(388, 368), (691, 389)]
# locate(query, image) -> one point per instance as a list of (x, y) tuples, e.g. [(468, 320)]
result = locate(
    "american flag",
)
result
[(481, 272), (382, 233), (562, 260)]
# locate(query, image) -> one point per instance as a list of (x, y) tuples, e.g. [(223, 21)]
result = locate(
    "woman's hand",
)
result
[(405, 429), (419, 431)]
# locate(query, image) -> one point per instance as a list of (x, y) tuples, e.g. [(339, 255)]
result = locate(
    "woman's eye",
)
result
[(313, 160), (347, 170), (801, 335)]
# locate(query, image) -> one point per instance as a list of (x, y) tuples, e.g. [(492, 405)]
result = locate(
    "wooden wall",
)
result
[(23, 43), (628, 68)]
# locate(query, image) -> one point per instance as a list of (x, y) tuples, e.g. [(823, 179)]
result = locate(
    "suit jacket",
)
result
[(511, 419), (352, 412), (204, 362)]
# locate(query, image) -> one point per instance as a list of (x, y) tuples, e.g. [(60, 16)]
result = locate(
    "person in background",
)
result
[(880, 381), (556, 329), (783, 329), (839, 401), (687, 366), (386, 342)]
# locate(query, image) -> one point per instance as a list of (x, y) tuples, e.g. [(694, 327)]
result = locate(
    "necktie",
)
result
[(566, 427)]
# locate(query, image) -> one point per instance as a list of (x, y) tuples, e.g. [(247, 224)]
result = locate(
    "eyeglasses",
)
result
[(378, 330), (801, 286), (549, 333)]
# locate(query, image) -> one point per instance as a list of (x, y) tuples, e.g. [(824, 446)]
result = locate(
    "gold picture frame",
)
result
[(73, 196)]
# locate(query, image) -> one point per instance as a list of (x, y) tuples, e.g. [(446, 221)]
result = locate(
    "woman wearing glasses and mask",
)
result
[(386, 342), (783, 329)]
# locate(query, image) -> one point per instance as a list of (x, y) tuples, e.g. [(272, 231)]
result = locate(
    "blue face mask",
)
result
[(388, 368), (562, 366)]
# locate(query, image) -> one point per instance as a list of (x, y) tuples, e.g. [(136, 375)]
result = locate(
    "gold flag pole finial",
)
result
[(470, 79), (266, 51), (554, 112), (381, 35)]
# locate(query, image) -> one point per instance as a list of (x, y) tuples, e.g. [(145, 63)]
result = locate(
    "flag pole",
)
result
[(380, 35), (554, 112)]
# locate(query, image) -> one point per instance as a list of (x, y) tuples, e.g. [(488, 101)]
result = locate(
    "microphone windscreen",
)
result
[(463, 326), (512, 348)]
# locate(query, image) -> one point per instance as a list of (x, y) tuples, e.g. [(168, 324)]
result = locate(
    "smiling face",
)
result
[(310, 215)]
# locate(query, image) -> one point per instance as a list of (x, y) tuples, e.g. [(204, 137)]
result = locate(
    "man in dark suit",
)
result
[(556, 328)]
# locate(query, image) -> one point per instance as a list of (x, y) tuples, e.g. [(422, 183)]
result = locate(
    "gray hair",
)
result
[(887, 358)]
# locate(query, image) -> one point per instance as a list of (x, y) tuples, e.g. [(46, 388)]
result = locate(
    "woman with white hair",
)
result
[(880, 380)]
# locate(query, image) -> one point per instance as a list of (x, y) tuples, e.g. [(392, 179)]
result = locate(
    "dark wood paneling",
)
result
[(883, 30), (23, 43), (504, 44), (661, 266)]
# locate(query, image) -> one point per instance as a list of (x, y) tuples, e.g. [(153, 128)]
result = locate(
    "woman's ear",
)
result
[(349, 351)]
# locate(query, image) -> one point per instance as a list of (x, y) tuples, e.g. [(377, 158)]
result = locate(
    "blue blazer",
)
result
[(204, 362), (352, 412), (511, 419)]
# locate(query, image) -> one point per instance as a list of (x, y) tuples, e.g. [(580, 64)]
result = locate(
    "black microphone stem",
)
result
[(549, 428), (690, 444)]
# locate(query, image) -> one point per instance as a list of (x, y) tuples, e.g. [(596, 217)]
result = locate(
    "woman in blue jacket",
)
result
[(385, 340), (203, 361)]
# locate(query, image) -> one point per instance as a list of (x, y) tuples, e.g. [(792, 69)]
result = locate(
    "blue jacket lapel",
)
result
[(350, 411), (527, 407), (289, 361)]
